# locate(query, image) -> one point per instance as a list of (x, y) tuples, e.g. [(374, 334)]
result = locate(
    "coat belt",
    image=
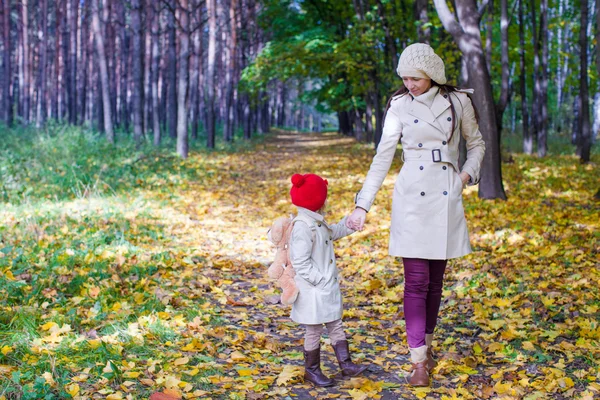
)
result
[(429, 155)]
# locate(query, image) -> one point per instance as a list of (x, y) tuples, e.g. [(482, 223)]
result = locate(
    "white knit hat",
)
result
[(420, 61)]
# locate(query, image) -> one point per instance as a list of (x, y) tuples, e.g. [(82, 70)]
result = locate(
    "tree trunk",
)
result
[(138, 79), (124, 73), (489, 35), (110, 136), (85, 46), (231, 70), (7, 106), (172, 72), (210, 75), (344, 123), (584, 144), (41, 103), (155, 72), (72, 78), (527, 136), (423, 30), (184, 50), (467, 35), (195, 80), (542, 132), (504, 91), (26, 62)]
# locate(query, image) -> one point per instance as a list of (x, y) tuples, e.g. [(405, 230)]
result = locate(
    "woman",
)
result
[(428, 223)]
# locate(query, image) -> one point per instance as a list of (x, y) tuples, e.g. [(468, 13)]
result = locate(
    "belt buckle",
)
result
[(439, 155)]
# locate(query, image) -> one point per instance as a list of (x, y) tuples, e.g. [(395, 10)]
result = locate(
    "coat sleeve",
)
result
[(301, 244), (392, 131), (340, 229), (475, 143)]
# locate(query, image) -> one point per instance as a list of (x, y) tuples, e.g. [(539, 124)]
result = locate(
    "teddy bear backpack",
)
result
[(281, 270)]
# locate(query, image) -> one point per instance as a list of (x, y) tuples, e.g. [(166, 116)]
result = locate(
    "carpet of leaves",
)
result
[(163, 288)]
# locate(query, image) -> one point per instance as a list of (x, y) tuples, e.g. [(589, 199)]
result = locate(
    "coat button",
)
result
[(422, 193), (416, 120), (444, 168), (421, 167), (444, 142), (449, 118), (420, 144), (330, 261), (330, 238), (319, 225), (326, 242), (445, 193), (445, 96)]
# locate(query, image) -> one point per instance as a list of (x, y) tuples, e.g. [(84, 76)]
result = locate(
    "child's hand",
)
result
[(356, 220)]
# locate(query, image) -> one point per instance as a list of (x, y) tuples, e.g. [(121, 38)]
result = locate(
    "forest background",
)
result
[(146, 146)]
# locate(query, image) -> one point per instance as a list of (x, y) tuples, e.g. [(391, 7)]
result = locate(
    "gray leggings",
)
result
[(312, 337)]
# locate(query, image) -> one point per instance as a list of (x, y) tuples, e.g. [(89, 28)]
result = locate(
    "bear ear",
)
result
[(297, 180)]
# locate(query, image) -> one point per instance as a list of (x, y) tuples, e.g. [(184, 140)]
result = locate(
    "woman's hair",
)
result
[(448, 89)]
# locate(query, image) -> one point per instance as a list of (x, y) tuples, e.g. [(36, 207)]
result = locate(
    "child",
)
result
[(320, 300)]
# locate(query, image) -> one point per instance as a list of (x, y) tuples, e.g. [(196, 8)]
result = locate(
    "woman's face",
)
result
[(416, 86)]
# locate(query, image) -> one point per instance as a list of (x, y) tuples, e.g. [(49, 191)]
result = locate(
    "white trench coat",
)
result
[(311, 252), (428, 219)]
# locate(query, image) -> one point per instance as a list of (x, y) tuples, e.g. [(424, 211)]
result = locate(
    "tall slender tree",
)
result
[(73, 19), (25, 76), (41, 103), (108, 127), (527, 136), (155, 74), (210, 76), (584, 143), (138, 78), (7, 95), (171, 70), (183, 76)]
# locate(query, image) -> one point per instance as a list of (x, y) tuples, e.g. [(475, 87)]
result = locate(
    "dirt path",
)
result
[(375, 341)]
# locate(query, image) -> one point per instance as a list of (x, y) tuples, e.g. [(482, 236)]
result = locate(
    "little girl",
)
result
[(320, 300)]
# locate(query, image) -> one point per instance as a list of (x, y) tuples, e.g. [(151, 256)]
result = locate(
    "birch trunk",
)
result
[(184, 49), (110, 136)]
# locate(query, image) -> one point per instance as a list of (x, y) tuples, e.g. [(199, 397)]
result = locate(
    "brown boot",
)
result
[(312, 369), (431, 363), (342, 352), (420, 374)]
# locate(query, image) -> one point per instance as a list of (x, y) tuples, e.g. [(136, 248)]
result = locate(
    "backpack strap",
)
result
[(308, 222)]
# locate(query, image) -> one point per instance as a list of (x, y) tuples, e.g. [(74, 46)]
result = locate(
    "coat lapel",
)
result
[(424, 113), (440, 104)]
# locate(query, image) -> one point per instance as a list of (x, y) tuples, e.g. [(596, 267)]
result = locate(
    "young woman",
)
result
[(428, 224)]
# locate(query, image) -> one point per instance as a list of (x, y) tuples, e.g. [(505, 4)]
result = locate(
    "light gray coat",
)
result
[(313, 259), (428, 219)]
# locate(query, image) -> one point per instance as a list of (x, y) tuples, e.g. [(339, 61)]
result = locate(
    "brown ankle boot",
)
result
[(420, 375), (342, 352), (431, 363), (312, 369)]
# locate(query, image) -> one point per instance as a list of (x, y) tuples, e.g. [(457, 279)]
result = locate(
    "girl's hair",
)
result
[(444, 89)]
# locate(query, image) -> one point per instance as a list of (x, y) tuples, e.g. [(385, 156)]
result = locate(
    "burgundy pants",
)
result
[(423, 281)]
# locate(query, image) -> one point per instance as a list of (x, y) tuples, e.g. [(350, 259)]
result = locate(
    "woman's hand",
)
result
[(464, 177), (356, 220)]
